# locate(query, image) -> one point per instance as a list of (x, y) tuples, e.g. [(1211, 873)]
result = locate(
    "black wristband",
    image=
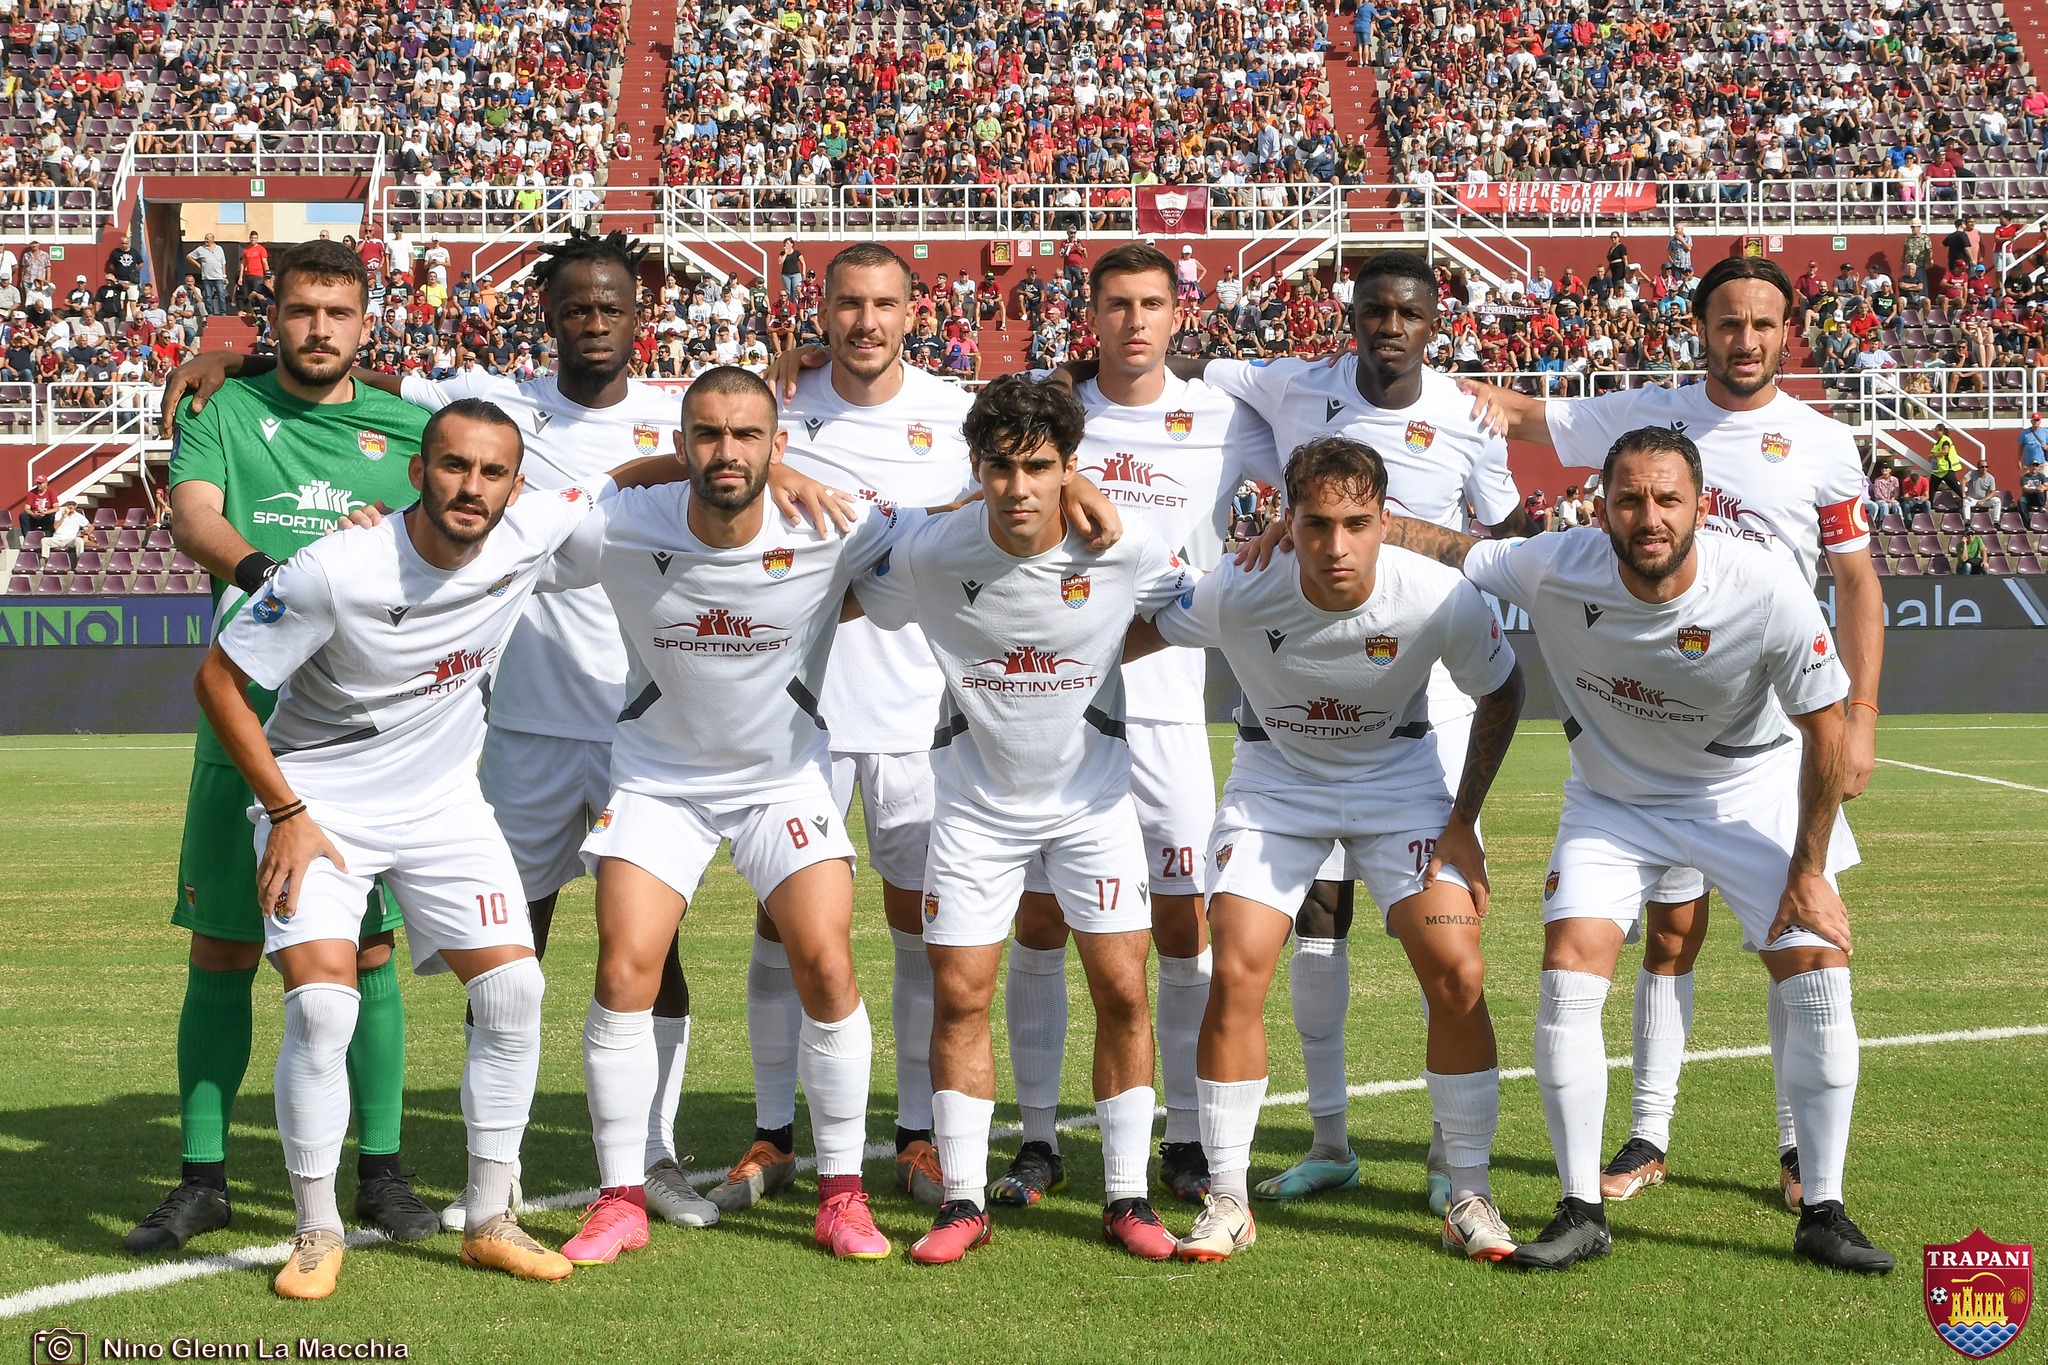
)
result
[(254, 571)]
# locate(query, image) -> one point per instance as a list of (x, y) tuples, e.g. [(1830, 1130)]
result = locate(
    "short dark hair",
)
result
[(729, 379), (320, 261), (1015, 414), (1743, 268), (1355, 467), (1132, 258), (1655, 441), (1398, 265), (863, 256), (473, 410)]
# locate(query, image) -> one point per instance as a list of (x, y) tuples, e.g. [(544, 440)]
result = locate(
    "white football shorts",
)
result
[(450, 871), (1172, 778), (547, 791), (895, 805), (1453, 738), (676, 839), (1610, 854), (1270, 848), (1094, 863)]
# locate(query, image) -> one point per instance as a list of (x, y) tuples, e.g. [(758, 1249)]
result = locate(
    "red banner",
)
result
[(1173, 210), (1571, 198)]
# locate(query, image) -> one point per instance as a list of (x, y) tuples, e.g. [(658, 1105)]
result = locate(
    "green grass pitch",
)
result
[(1948, 908)]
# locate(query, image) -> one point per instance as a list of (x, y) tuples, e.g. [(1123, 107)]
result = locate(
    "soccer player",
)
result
[(264, 470), (1334, 647), (1680, 660), (858, 417), (546, 757), (1168, 452), (1778, 474), (1439, 461), (728, 610), (381, 645), (1030, 763)]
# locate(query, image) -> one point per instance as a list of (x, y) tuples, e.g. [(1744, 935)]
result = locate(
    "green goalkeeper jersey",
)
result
[(287, 470)]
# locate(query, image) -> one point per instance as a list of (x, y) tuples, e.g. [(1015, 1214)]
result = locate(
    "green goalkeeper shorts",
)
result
[(217, 864)]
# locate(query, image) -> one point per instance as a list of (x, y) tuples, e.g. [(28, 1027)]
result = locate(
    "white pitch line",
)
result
[(1971, 777), (111, 1283), (93, 748)]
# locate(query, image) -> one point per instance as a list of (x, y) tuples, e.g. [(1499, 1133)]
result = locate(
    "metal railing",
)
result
[(45, 414), (216, 151)]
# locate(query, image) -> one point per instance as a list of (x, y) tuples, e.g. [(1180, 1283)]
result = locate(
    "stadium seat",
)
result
[(115, 585), (136, 519), (1981, 522), (1927, 545), (2038, 523), (180, 563), (31, 540), (81, 585), (19, 585), (128, 539), (1883, 567), (1905, 566), (6, 521), (159, 539), (49, 583), (183, 583), (120, 561), (1949, 523), (90, 561), (57, 561), (106, 516), (1939, 564), (1945, 501), (2029, 564), (148, 583), (1996, 563), (151, 561), (1922, 524), (1890, 524)]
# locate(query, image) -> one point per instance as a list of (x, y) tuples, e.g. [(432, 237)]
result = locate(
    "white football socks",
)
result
[(1230, 1120), (1466, 1111), (910, 1019), (311, 1083), (1819, 1074), (1788, 1131), (773, 1016), (834, 1061), (1126, 1121), (672, 1060), (1319, 983), (1571, 1071), (499, 1077), (1663, 1021), (1183, 998), (1035, 1006), (960, 1126), (619, 1073)]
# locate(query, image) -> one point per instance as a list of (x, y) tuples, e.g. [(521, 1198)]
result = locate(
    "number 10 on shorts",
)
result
[(491, 909)]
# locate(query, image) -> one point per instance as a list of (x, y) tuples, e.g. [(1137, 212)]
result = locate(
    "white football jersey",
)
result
[(1438, 459), (564, 669), (1783, 476), (383, 663), (1170, 466), (882, 688), (727, 646), (1342, 697), (1033, 725), (1679, 705)]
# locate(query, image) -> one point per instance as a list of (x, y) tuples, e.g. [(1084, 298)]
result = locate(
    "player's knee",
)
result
[(373, 953), (625, 983), (1457, 988), (211, 954), (508, 997)]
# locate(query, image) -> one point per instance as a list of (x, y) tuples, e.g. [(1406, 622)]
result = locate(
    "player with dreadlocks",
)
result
[(546, 766)]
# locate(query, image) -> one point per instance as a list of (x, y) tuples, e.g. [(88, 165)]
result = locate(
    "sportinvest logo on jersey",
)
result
[(1978, 1292)]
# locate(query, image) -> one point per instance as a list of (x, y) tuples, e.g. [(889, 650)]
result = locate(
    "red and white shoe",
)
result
[(959, 1228), (1134, 1225), (616, 1222), (844, 1225)]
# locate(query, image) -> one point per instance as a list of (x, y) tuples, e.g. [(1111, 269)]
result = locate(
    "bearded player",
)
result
[(1778, 474)]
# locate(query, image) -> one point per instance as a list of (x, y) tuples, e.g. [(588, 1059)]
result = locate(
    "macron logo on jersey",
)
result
[(972, 589), (315, 507), (270, 426), (1275, 639)]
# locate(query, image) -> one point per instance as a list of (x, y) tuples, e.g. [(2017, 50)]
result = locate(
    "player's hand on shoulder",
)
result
[(1489, 405), (785, 368), (1329, 359), (201, 377), (1810, 903), (1092, 514), (364, 517), (799, 496), (1459, 847), (293, 846), (1258, 552)]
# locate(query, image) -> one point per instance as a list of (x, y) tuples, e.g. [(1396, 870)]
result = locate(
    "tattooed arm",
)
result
[(1440, 543)]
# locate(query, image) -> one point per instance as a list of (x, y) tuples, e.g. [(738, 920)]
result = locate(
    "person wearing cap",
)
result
[(1188, 276)]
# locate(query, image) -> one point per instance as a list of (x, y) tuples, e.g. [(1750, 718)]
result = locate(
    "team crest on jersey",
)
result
[(1977, 1292), (646, 440), (1776, 448), (281, 912), (1381, 649), (775, 563), (1420, 436), (191, 894), (931, 906), (499, 588), (1550, 886), (1180, 424), (1074, 590), (1693, 641), (372, 444), (920, 437), (603, 821), (269, 608), (1222, 859)]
